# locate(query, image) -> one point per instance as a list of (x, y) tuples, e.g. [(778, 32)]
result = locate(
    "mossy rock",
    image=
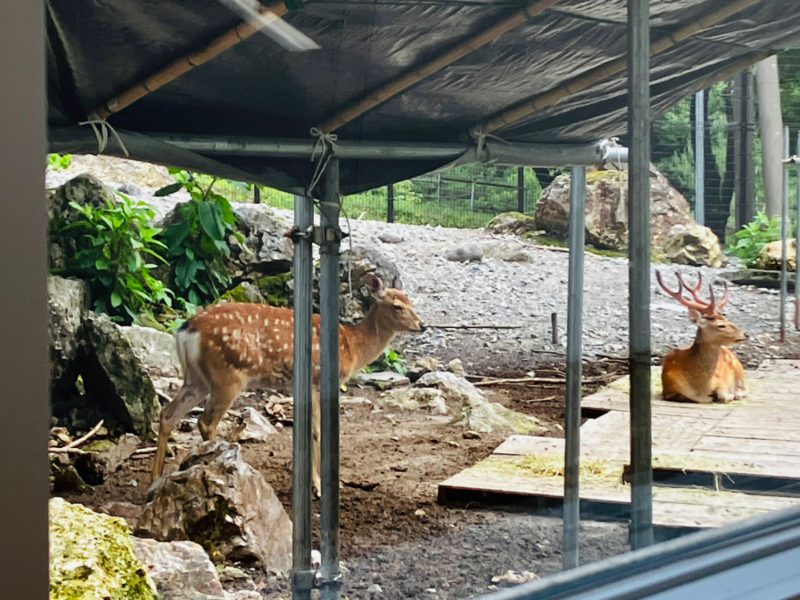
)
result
[(512, 222), (275, 288), (244, 292), (92, 557)]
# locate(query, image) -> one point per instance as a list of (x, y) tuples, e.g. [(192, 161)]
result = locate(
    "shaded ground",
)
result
[(394, 534)]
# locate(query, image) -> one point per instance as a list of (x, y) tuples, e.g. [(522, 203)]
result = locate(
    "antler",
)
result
[(708, 308), (697, 304)]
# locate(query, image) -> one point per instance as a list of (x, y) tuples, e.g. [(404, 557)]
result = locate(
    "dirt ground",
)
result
[(394, 535)]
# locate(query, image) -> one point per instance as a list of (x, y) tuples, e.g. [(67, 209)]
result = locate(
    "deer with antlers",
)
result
[(227, 347), (706, 371)]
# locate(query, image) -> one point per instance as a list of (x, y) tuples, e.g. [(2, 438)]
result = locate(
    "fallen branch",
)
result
[(75, 443), (466, 326), (490, 381)]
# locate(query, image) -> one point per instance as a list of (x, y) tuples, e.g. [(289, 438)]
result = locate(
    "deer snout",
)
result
[(422, 326), (742, 337)]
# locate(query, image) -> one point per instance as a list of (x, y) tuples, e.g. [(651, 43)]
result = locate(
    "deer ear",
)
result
[(397, 284), (694, 315), (376, 287)]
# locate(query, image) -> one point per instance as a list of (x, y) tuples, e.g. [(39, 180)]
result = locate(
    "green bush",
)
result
[(197, 242), (751, 238), (390, 361), (59, 161), (113, 255)]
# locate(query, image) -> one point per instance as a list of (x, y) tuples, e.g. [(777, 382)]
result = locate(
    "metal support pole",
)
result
[(699, 159), (256, 195), (390, 203), (472, 196), (302, 576), (797, 248), (521, 189), (329, 382), (784, 233), (438, 187), (641, 528), (572, 417)]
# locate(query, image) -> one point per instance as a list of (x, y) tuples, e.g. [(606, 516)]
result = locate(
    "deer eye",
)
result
[(398, 307), (722, 326)]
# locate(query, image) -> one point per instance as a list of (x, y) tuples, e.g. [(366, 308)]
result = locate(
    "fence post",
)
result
[(438, 187), (256, 194), (521, 189), (472, 196), (390, 203), (784, 231), (699, 159)]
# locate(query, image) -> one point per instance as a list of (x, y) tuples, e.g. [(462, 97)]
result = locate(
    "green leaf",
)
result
[(102, 263), (209, 221), (194, 298), (116, 299), (169, 189)]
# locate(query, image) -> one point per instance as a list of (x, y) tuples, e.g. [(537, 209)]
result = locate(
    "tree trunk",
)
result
[(771, 126)]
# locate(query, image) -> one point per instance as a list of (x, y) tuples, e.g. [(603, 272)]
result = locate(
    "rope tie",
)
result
[(325, 144), (480, 134), (101, 127)]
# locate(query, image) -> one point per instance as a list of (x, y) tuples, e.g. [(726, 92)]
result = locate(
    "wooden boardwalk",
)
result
[(712, 463)]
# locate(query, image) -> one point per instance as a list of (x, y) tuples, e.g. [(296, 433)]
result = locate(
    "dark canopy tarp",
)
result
[(98, 49)]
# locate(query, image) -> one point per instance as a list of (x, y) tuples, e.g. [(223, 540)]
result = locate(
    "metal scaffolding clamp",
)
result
[(328, 237), (304, 580)]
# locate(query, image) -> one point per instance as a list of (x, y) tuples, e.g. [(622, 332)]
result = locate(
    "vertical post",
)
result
[(257, 195), (572, 417), (23, 296), (797, 247), (329, 382), (745, 180), (390, 203), (784, 232), (521, 189), (302, 576), (438, 187), (699, 159), (554, 328), (641, 528), (472, 195)]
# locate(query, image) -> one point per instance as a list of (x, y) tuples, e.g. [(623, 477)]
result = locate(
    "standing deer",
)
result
[(227, 347), (706, 371)]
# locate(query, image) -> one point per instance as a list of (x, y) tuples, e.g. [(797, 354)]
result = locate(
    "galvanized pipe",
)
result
[(784, 233), (641, 528), (329, 382), (572, 417), (302, 576), (797, 248), (699, 159)]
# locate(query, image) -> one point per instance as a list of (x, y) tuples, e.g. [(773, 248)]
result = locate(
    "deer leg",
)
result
[(316, 458), (192, 393), (222, 396)]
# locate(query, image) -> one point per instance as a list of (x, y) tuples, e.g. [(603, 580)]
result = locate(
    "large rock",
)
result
[(92, 556), (268, 251), (508, 250), (467, 252), (770, 256), (114, 378), (358, 267), (607, 209), (67, 299), (83, 190), (695, 245), (219, 501), (180, 570), (155, 349), (476, 412), (515, 223)]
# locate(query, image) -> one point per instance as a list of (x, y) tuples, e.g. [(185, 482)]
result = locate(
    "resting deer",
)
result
[(706, 371), (227, 347)]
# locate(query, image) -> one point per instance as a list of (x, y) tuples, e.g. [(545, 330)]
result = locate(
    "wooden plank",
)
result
[(521, 445), (758, 433), (672, 507), (755, 449), (717, 480)]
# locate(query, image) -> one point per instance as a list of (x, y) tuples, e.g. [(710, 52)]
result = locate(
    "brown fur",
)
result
[(706, 371), (242, 344)]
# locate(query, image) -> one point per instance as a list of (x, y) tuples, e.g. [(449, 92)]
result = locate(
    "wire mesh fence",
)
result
[(708, 145)]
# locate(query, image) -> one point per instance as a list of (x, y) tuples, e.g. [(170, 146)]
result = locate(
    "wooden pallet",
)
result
[(713, 463)]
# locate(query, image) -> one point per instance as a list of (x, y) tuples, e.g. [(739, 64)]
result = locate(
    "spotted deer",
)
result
[(706, 371), (227, 347)]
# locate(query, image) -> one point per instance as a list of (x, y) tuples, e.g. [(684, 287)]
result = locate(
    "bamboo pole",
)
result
[(184, 64), (604, 71), (437, 64)]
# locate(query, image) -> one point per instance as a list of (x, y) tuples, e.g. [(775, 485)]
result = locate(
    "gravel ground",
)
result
[(526, 294)]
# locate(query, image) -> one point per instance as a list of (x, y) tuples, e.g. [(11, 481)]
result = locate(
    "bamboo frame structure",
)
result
[(186, 63), (604, 71), (437, 64)]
